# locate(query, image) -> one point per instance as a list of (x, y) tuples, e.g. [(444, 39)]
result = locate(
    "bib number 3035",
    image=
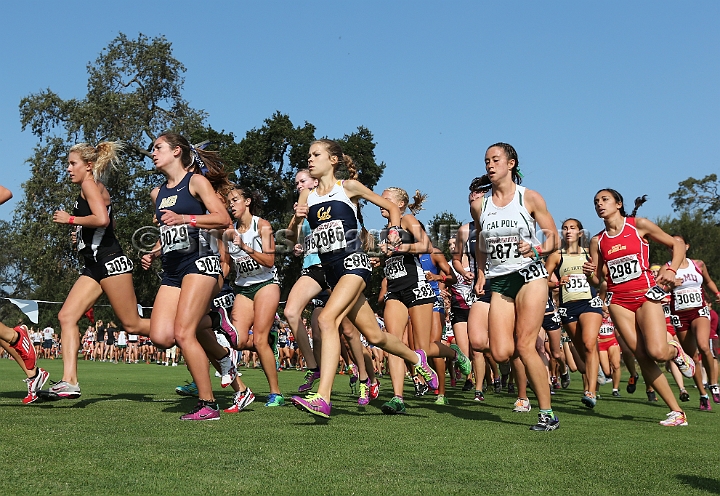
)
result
[(535, 270)]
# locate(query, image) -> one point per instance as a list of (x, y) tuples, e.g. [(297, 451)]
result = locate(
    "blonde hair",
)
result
[(402, 196), (103, 156)]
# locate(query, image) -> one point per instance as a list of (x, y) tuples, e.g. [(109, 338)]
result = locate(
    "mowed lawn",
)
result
[(123, 436)]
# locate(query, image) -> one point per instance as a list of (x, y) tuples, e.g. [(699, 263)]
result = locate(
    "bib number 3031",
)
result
[(535, 270)]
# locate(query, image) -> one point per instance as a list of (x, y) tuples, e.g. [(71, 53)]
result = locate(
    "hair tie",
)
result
[(196, 157), (517, 170)]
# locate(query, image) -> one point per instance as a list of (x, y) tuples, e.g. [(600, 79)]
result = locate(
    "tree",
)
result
[(698, 194), (441, 228)]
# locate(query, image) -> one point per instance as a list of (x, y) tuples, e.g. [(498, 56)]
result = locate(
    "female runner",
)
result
[(619, 255), (186, 203), (688, 303), (507, 217), (107, 269), (331, 209), (580, 307)]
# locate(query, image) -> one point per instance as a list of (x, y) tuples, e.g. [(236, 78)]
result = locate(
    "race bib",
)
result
[(328, 237), (503, 250), (556, 318), (704, 312), (577, 283), (174, 238), (395, 268), (675, 321), (624, 269), (656, 293), (688, 298), (357, 261), (246, 266), (424, 290), (606, 330), (562, 312), (225, 301), (608, 298), (119, 265), (209, 265), (310, 246), (596, 302), (535, 270), (666, 310)]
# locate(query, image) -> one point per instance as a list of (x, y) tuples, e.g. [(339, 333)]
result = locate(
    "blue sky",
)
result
[(591, 94)]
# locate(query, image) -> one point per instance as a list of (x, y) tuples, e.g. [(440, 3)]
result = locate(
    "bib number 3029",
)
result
[(174, 238), (535, 270)]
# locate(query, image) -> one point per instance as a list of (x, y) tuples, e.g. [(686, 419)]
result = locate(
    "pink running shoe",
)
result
[(427, 373), (203, 411), (684, 361), (313, 403), (705, 404), (227, 328), (675, 419), (310, 378)]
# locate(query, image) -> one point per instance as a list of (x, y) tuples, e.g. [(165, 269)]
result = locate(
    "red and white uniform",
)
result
[(606, 336), (688, 300), (627, 257)]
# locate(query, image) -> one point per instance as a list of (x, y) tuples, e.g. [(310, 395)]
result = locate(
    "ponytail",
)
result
[(638, 203), (103, 156)]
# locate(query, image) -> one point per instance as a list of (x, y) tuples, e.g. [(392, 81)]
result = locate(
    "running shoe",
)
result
[(651, 395), (522, 405), (228, 369), (420, 387), (25, 347), (64, 390), (705, 404), (554, 382), (189, 389), (565, 380), (353, 373), (226, 327), (241, 399), (462, 361), (427, 373), (364, 398), (632, 384), (35, 384), (310, 377), (546, 423), (374, 390), (497, 385), (684, 361), (441, 400), (601, 379), (479, 396), (395, 406), (715, 393), (616, 393), (589, 399), (511, 388), (684, 396), (203, 411), (275, 399), (675, 419), (468, 386), (313, 403)]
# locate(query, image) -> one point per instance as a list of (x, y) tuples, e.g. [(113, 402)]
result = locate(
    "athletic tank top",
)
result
[(249, 271), (577, 288), (95, 243), (334, 224), (402, 271), (311, 254), (460, 291), (122, 338), (470, 245), (627, 257), (688, 295), (429, 266), (501, 229), (607, 329), (179, 241)]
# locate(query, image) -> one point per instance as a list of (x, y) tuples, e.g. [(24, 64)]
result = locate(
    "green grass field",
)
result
[(124, 436)]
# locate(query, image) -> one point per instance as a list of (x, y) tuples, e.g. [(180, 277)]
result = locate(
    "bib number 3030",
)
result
[(535, 270)]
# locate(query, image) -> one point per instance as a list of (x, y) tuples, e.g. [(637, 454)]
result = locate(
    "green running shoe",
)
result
[(462, 361), (275, 400), (441, 400), (189, 389), (395, 406)]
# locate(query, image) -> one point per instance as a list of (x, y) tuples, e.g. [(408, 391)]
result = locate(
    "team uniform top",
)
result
[(607, 329), (627, 257), (179, 241), (311, 253), (429, 266), (460, 291), (334, 224), (501, 229), (404, 270), (95, 243), (577, 288), (249, 271), (688, 295)]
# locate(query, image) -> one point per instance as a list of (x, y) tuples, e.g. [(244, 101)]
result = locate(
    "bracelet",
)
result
[(193, 221), (537, 254), (71, 220), (557, 284), (538, 248), (445, 277), (667, 267)]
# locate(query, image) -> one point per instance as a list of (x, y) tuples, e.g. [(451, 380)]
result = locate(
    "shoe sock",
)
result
[(548, 412)]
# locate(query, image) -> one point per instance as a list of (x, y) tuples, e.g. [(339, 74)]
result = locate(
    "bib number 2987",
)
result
[(535, 270)]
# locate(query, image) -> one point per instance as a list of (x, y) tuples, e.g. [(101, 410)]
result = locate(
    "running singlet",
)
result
[(502, 228), (178, 241), (689, 294), (334, 224), (428, 266), (249, 271), (403, 270), (95, 243), (577, 288), (627, 257), (607, 329), (311, 253)]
